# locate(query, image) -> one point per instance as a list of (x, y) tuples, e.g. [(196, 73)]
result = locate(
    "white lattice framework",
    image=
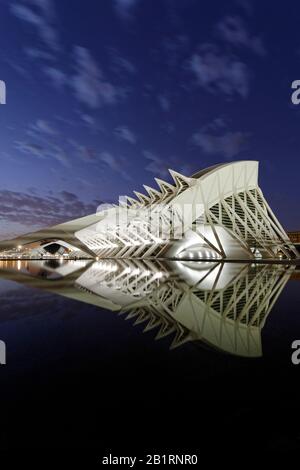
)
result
[(225, 216), (218, 213), (225, 308), (224, 305)]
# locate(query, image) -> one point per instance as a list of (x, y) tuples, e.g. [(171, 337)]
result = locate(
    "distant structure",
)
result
[(217, 213), (295, 237)]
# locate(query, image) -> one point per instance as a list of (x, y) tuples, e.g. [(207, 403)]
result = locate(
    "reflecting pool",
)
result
[(146, 342)]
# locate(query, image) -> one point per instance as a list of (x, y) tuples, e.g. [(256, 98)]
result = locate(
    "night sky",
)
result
[(104, 95)]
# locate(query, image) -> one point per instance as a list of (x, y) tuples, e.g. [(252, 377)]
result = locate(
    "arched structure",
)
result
[(217, 213)]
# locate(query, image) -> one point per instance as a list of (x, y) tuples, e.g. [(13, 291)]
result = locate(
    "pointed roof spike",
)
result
[(142, 197), (165, 187), (132, 201), (151, 191), (180, 179), (165, 329), (181, 336), (153, 322), (129, 198), (155, 195)]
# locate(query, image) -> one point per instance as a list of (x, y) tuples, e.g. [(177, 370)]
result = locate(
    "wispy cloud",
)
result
[(114, 164), (160, 166), (164, 102), (57, 77), (84, 152), (121, 64), (30, 148), (60, 154), (22, 71), (232, 29), (216, 139), (52, 151), (220, 73), (44, 141), (88, 83), (43, 126), (156, 165), (246, 6), (124, 8), (124, 133), (41, 211), (217, 67), (38, 54), (40, 15), (89, 120), (91, 123)]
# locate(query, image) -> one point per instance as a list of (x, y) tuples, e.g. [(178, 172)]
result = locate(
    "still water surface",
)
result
[(147, 342)]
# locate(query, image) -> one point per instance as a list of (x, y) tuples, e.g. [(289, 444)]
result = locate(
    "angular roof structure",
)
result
[(218, 213)]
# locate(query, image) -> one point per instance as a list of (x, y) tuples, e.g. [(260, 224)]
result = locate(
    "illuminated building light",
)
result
[(218, 213)]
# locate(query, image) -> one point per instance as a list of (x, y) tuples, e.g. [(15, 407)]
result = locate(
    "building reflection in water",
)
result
[(224, 305)]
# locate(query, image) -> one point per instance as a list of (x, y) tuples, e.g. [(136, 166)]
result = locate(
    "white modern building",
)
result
[(217, 213)]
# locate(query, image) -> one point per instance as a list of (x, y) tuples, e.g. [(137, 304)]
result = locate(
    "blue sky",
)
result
[(104, 95)]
